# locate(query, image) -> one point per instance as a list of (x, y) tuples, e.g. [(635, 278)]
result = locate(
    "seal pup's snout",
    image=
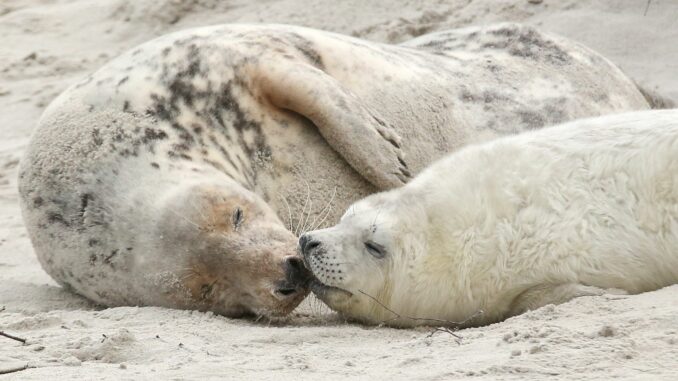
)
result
[(308, 246), (296, 280)]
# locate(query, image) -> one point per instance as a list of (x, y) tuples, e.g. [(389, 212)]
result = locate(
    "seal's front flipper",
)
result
[(542, 295), (356, 132)]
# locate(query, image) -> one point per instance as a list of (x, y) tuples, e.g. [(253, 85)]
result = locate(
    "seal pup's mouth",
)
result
[(317, 287), (333, 296), (322, 290)]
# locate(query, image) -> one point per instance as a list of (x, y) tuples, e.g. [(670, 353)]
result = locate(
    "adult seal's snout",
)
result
[(297, 274)]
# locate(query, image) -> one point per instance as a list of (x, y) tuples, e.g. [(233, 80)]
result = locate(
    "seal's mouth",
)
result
[(330, 295), (322, 290), (319, 288)]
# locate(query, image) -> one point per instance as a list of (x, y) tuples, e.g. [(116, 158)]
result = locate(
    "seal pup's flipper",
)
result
[(542, 295), (356, 132)]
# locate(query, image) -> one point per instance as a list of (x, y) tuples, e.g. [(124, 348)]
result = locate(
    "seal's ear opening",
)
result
[(356, 132)]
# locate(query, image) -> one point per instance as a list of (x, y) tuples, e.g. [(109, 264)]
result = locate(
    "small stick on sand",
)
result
[(2, 333), (448, 326), (12, 370)]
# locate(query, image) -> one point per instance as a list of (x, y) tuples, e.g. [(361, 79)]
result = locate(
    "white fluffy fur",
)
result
[(576, 209)]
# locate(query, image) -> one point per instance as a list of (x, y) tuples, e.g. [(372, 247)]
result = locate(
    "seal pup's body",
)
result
[(581, 208)]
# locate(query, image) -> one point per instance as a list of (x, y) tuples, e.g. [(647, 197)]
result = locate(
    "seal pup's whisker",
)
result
[(327, 210), (374, 222)]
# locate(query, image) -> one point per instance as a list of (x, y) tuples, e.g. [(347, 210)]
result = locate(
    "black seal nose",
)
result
[(295, 271), (307, 244)]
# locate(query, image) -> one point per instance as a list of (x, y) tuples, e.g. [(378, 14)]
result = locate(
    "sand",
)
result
[(47, 45)]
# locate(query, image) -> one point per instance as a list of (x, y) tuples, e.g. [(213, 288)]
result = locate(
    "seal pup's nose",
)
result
[(307, 245)]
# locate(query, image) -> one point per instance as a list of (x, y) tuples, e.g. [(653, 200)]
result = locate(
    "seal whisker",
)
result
[(289, 210), (185, 219), (374, 222), (327, 210), (303, 210), (199, 210), (304, 228)]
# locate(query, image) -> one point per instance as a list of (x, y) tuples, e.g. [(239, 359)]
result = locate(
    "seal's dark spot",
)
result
[(528, 43), (178, 155), (306, 48), (53, 217), (155, 165), (531, 119), (180, 147), (37, 202), (110, 256), (151, 135), (84, 201), (93, 242)]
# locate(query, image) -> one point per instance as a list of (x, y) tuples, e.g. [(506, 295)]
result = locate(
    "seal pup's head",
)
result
[(230, 251), (364, 267)]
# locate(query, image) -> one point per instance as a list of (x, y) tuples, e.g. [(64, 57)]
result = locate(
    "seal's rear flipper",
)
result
[(542, 295), (356, 132)]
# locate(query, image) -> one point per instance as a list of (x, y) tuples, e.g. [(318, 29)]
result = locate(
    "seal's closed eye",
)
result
[(237, 217), (377, 250)]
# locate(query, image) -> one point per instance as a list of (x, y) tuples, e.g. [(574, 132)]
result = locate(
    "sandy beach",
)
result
[(48, 45)]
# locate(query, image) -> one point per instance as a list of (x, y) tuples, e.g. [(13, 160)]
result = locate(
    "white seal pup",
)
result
[(157, 180), (511, 225)]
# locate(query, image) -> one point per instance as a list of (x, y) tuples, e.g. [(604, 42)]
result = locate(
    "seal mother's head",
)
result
[(235, 255)]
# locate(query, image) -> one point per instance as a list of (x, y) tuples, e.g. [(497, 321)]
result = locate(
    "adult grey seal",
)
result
[(161, 179)]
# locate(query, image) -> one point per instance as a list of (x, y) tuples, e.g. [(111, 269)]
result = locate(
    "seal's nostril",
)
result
[(307, 244), (311, 245), (296, 273), (294, 264), (286, 291)]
